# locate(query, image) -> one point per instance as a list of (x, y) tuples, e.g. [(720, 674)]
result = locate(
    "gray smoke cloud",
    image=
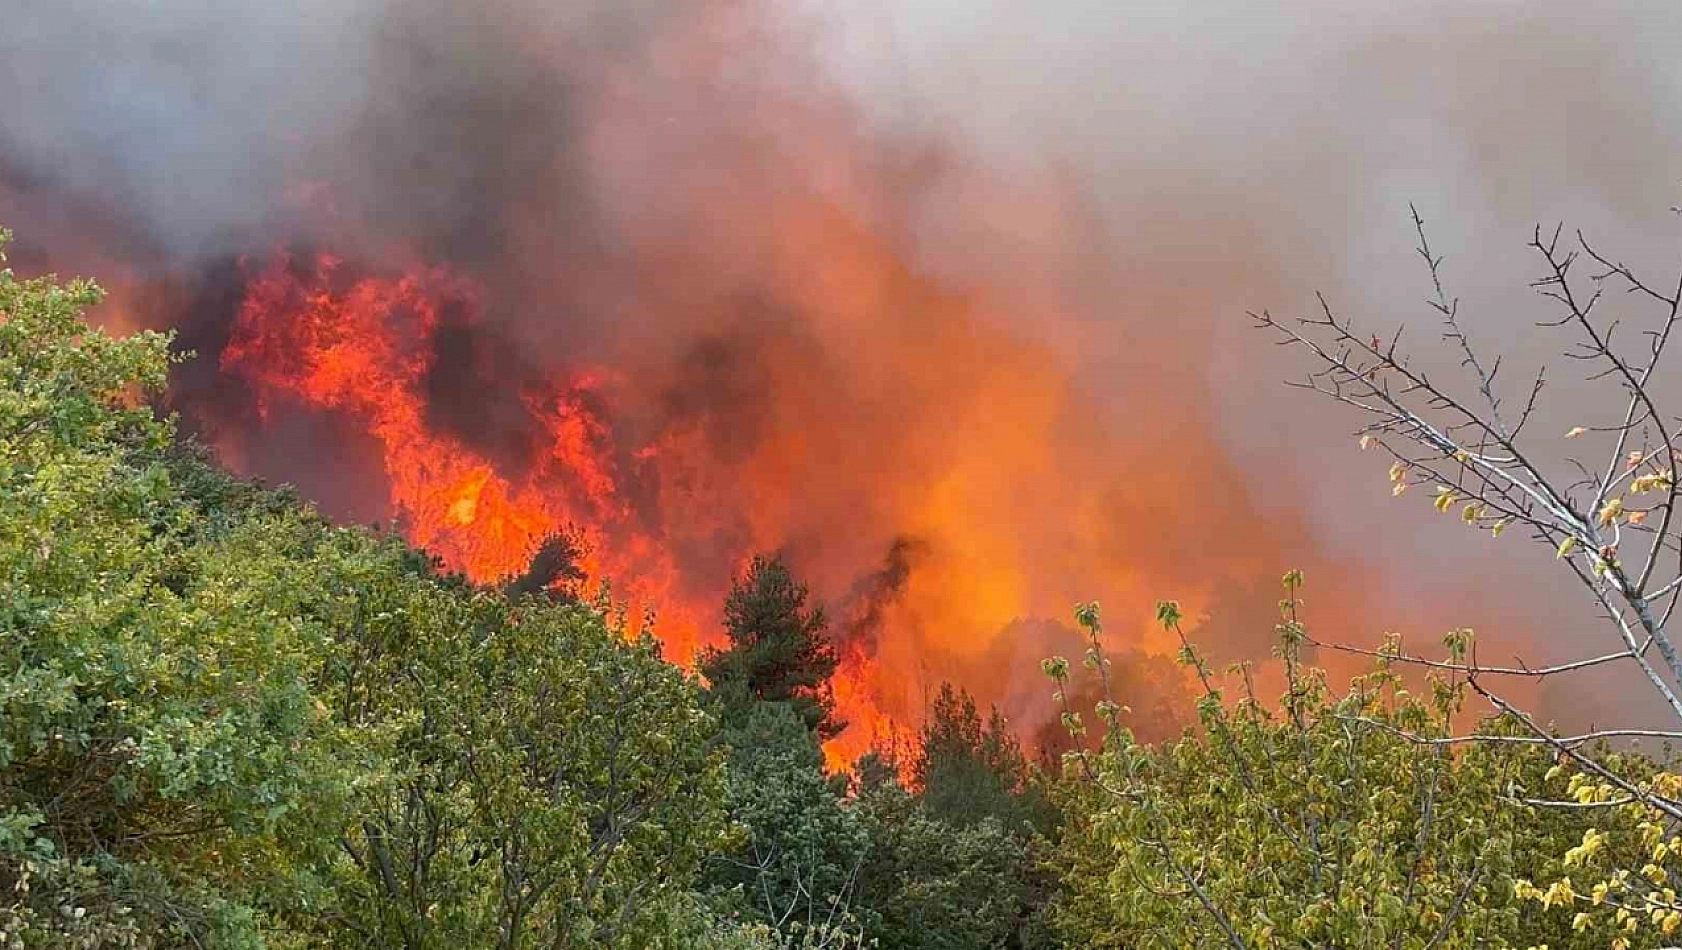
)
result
[(1202, 158), (186, 113), (1215, 132)]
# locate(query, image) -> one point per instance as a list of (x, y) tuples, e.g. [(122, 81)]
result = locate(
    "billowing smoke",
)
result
[(945, 303)]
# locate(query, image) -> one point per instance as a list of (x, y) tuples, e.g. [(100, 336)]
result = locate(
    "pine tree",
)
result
[(778, 651), (969, 769)]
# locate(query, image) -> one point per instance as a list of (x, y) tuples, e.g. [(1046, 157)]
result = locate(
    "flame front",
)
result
[(310, 332), (362, 346), (944, 392), (944, 440)]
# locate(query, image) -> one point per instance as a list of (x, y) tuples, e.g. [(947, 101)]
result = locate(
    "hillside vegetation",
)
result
[(230, 723)]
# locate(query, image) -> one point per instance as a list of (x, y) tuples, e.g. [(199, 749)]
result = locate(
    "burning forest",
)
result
[(683, 286), (876, 429), (784, 475), (520, 295)]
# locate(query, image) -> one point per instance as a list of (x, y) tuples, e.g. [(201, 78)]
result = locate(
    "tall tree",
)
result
[(778, 651)]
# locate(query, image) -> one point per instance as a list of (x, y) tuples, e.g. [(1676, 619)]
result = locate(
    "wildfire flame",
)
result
[(315, 333), (747, 327), (363, 345), (310, 331)]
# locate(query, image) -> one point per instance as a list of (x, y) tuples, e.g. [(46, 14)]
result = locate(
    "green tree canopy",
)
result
[(933, 883), (801, 844), (969, 770), (228, 723), (1322, 821), (165, 736)]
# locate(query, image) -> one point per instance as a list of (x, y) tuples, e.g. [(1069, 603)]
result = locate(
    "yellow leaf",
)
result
[(1610, 512), (1367, 442), (1397, 472), (1566, 547), (1575, 431)]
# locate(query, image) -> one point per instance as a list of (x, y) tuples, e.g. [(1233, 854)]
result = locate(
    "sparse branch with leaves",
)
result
[(1479, 458), (1600, 493)]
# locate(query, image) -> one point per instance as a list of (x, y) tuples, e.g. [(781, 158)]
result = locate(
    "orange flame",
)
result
[(364, 349)]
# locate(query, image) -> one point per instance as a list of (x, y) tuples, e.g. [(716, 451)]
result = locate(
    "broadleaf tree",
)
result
[(1590, 478), (1322, 819)]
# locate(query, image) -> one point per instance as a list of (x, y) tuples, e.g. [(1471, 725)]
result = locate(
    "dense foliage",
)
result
[(227, 722), (827, 862), (1350, 821)]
